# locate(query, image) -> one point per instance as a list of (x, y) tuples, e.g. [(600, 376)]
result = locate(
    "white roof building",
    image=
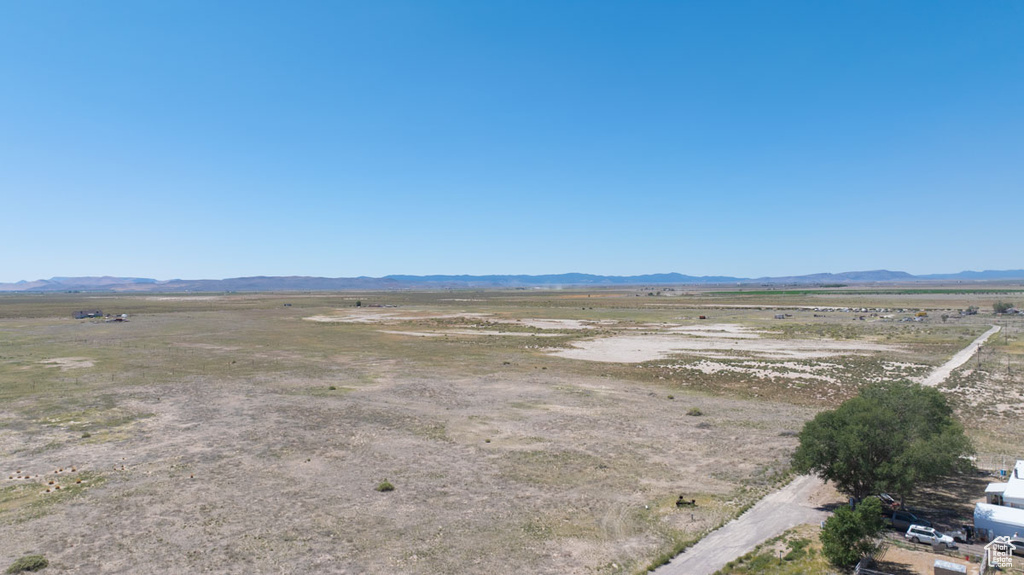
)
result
[(1011, 493), (1004, 512), (1014, 494), (998, 521)]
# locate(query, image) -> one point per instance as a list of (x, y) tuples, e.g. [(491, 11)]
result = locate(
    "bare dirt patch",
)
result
[(719, 330), (554, 323), (209, 346), (763, 370), (412, 333), (66, 363), (471, 332), (540, 475), (902, 561), (641, 348), (185, 298), (371, 315), (392, 317)]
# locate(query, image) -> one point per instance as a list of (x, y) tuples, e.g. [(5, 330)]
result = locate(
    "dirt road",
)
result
[(961, 357), (786, 508)]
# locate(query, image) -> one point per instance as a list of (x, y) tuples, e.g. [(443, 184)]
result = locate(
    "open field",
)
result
[(524, 431)]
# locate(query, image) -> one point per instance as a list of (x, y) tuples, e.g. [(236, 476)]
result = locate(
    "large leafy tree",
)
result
[(892, 436), (1001, 307), (849, 534)]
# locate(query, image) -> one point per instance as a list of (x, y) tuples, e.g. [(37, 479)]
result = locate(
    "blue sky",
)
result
[(220, 139)]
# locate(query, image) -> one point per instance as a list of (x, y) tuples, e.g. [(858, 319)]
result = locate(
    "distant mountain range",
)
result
[(392, 282)]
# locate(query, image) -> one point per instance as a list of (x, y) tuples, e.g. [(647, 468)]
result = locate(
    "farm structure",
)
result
[(1003, 514)]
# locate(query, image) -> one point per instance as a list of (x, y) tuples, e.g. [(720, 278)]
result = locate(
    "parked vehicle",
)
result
[(889, 502), (963, 533), (1018, 543), (922, 534), (904, 519)]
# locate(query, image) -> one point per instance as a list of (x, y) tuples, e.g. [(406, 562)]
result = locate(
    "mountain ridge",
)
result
[(398, 281)]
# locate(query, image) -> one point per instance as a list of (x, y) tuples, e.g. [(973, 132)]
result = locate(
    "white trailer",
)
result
[(995, 520)]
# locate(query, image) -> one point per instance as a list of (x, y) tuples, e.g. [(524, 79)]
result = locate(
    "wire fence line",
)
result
[(997, 464)]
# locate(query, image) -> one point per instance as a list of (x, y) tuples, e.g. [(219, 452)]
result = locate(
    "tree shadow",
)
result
[(894, 568), (832, 506), (951, 500)]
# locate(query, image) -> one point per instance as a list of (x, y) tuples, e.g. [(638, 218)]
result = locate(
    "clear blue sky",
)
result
[(219, 139)]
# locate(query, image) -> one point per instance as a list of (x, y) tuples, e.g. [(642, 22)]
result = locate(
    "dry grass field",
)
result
[(523, 431)]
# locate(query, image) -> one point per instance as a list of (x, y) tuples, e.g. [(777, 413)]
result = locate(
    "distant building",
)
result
[(83, 314)]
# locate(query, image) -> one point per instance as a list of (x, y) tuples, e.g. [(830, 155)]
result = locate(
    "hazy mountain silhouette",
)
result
[(304, 283)]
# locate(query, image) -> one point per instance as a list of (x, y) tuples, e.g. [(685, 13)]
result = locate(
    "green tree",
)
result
[(1001, 307), (892, 436), (849, 534)]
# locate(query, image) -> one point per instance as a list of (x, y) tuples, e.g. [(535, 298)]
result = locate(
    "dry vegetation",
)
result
[(232, 433)]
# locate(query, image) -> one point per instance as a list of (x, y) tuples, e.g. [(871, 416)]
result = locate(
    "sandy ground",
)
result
[(66, 363), (920, 561), (208, 346), (469, 332), (555, 323), (186, 298), (719, 330), (640, 348), (537, 473), (383, 315), (762, 369)]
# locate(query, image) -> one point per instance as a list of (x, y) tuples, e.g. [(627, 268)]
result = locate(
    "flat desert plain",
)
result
[(521, 431)]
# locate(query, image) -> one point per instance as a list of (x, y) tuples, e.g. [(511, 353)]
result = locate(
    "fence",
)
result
[(862, 568), (996, 463)]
